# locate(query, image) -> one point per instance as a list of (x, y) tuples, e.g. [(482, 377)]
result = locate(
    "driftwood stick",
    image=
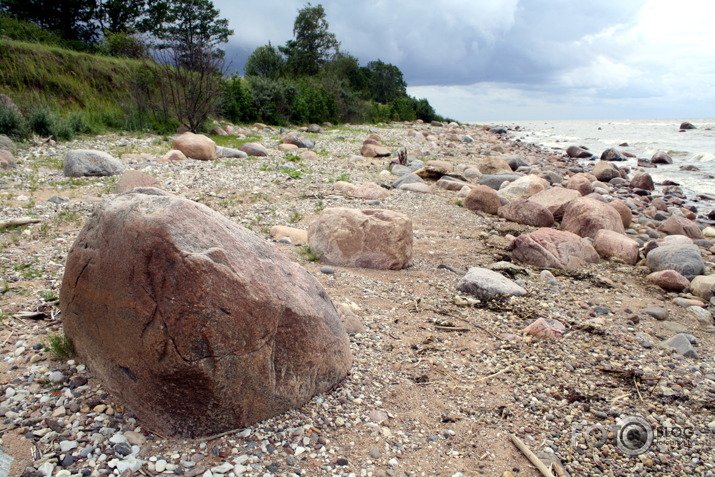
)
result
[(492, 375), (450, 328), (8, 338), (531, 456), (18, 222), (222, 434)]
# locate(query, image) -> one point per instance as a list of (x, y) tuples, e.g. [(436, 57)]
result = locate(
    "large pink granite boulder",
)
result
[(610, 244), (528, 213), (679, 225), (587, 216), (194, 323), (549, 248), (556, 199), (375, 238)]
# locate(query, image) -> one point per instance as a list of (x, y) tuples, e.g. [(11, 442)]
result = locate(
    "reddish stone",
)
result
[(586, 216), (195, 324), (555, 199), (624, 211), (581, 183), (527, 213), (642, 180), (677, 225), (132, 179), (377, 238), (610, 244), (483, 199), (668, 280), (549, 248)]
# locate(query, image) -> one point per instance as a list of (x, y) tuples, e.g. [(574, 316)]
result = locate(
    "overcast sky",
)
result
[(500, 60)]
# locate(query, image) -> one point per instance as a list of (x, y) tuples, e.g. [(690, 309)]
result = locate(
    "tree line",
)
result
[(308, 79)]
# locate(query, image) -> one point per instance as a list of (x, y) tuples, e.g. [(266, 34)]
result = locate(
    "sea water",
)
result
[(644, 137)]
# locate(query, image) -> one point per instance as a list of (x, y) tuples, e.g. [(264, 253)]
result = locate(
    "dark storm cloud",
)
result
[(446, 42), (516, 57)]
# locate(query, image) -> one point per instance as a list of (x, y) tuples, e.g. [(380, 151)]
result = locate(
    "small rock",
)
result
[(66, 446), (681, 344), (327, 270), (659, 313), (135, 438), (223, 468), (485, 284), (123, 449)]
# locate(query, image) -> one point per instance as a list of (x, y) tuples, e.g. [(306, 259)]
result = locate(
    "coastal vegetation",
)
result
[(92, 66)]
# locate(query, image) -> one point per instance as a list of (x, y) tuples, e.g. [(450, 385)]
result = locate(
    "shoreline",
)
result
[(420, 398), (690, 150)]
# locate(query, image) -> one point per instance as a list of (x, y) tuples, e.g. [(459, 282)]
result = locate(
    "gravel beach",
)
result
[(440, 380)]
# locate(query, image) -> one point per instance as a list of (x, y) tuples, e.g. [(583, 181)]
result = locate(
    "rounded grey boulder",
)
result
[(90, 163)]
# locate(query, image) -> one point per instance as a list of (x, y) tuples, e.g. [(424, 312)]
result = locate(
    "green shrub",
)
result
[(13, 123), (60, 347), (124, 45), (77, 122)]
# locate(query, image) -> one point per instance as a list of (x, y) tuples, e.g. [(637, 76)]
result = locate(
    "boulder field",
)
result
[(355, 299)]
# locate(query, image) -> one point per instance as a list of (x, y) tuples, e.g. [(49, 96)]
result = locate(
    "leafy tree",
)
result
[(386, 81), (187, 34), (121, 16), (190, 29), (71, 19), (238, 101), (347, 68), (266, 61), (272, 99), (313, 45)]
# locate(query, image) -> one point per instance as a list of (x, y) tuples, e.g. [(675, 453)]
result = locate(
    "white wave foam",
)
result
[(703, 157)]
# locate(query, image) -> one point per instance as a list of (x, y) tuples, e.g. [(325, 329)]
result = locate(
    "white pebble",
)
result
[(223, 468), (118, 438), (56, 377), (66, 446)]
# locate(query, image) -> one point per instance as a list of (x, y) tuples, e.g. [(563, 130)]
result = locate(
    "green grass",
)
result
[(259, 196), (60, 347), (292, 158), (50, 162), (26, 271), (68, 217), (48, 295), (63, 92), (308, 254), (296, 217), (292, 173), (232, 141), (341, 178)]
